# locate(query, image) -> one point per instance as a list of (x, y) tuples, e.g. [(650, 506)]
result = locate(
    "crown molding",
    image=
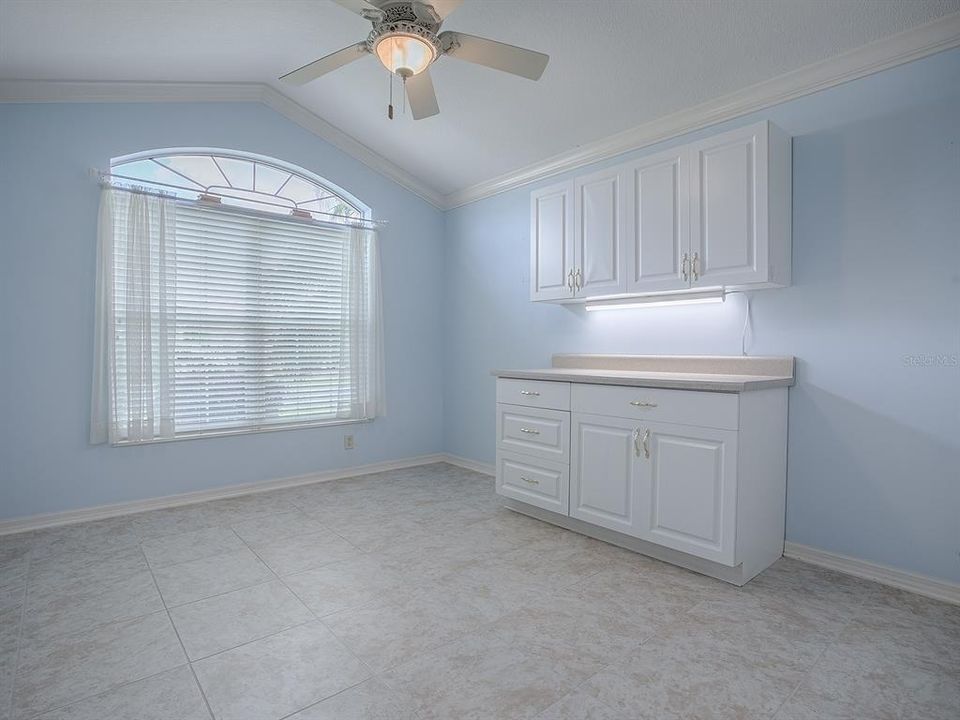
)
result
[(937, 36), (921, 41), (56, 91)]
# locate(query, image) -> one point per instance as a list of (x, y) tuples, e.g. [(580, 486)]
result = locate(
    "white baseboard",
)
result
[(884, 574), (100, 512), (468, 464)]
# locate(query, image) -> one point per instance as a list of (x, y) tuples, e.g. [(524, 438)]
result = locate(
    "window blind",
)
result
[(263, 314), (262, 322)]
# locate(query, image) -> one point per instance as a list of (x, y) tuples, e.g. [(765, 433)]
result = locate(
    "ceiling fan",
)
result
[(406, 39)]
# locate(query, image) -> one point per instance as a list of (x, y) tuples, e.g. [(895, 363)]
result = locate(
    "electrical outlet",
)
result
[(348, 442)]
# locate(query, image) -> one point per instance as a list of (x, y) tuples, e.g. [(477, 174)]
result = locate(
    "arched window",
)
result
[(236, 293), (238, 179)]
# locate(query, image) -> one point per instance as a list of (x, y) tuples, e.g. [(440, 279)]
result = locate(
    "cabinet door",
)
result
[(603, 466), (551, 242), (599, 220), (688, 484), (728, 228), (658, 228)]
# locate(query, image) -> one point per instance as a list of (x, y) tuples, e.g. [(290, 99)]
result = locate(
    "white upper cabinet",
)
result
[(740, 220), (714, 213), (599, 212), (551, 242), (658, 214)]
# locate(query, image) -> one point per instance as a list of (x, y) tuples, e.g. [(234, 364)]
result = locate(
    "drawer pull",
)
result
[(529, 431), (642, 403), (529, 481), (534, 393)]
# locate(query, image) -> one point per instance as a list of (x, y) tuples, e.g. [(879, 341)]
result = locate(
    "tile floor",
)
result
[(411, 595)]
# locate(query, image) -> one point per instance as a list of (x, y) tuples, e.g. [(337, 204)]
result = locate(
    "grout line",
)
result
[(177, 633), (23, 614)]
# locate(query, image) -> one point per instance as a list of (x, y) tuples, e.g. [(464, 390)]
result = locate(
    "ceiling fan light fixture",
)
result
[(405, 55)]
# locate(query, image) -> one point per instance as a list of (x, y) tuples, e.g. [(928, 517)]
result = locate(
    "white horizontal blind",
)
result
[(265, 318)]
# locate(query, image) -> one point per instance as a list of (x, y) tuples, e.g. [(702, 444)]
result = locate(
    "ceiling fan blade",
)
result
[(421, 95), (442, 8), (311, 71), (361, 7), (493, 54)]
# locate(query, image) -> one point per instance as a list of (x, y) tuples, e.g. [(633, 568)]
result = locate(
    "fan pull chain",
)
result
[(390, 105)]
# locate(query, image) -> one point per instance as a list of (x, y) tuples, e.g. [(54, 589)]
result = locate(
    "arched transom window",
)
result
[(245, 181)]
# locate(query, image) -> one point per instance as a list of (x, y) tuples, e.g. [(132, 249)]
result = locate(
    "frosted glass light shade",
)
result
[(405, 55)]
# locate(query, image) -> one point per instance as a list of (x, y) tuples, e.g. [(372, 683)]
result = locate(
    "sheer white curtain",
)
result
[(133, 384), (361, 356)]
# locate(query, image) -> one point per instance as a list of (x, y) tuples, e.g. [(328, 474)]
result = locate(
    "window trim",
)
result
[(366, 213)]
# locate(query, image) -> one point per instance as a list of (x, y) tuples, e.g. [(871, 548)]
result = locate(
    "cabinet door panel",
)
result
[(603, 486), (551, 242), (599, 216), (689, 489), (729, 231), (658, 232)]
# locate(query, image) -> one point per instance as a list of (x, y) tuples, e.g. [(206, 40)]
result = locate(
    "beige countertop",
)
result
[(687, 372)]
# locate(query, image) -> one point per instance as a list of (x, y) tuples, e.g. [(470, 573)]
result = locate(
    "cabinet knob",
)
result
[(529, 431), (529, 481), (534, 393), (683, 267), (642, 403), (696, 266), (578, 279)]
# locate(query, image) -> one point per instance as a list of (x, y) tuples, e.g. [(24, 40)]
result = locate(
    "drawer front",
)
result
[(685, 407), (534, 393), (543, 433), (535, 481)]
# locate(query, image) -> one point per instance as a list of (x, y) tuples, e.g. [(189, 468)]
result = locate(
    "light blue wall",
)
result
[(874, 453), (48, 210)]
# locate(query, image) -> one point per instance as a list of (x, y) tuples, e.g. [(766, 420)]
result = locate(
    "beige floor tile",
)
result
[(346, 584), (171, 695), (274, 677), (370, 700), (67, 668), (385, 633), (209, 576), (304, 552), (196, 545), (225, 621)]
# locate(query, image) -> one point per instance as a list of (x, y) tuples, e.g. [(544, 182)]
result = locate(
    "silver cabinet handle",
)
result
[(534, 393), (642, 403), (529, 431), (696, 266), (578, 279), (570, 280), (683, 267), (529, 481), (641, 442)]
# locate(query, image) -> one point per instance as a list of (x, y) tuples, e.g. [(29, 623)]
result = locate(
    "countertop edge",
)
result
[(667, 383)]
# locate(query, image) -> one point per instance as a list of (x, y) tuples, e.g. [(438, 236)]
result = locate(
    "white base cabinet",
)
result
[(700, 476)]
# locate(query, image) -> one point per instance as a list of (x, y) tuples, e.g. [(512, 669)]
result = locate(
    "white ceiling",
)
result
[(615, 64)]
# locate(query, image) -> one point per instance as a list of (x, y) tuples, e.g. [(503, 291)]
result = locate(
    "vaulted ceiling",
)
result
[(615, 64)]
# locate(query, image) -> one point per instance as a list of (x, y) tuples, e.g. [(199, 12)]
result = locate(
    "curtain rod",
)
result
[(115, 180)]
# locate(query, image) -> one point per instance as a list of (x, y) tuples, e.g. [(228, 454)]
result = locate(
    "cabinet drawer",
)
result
[(544, 433), (685, 407), (534, 393), (532, 480)]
